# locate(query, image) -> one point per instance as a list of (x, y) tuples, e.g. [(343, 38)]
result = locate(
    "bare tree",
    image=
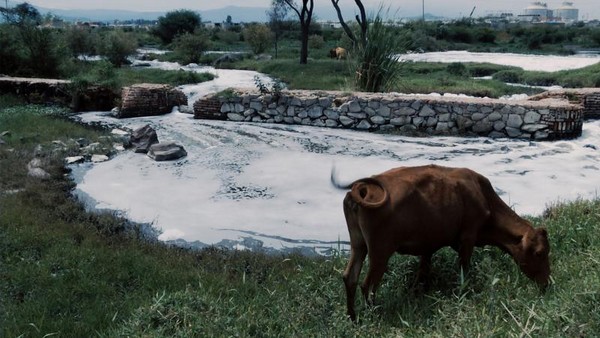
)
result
[(305, 16), (361, 20), (277, 13)]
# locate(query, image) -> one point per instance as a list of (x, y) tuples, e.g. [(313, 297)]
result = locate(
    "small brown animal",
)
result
[(418, 210), (337, 53)]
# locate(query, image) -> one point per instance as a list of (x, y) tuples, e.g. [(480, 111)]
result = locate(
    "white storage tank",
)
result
[(567, 12), (539, 10)]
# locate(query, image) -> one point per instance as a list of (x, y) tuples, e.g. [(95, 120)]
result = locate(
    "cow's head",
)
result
[(534, 261)]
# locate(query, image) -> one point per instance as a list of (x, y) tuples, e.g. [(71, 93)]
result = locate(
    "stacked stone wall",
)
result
[(52, 91), (540, 120), (149, 99), (35, 90), (589, 98)]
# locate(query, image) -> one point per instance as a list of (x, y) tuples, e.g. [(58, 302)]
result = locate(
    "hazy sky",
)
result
[(450, 8)]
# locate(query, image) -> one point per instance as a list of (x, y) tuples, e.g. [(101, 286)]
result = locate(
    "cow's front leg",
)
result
[(465, 251), (424, 269)]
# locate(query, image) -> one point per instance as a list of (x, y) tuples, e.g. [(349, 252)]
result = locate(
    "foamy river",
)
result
[(267, 186)]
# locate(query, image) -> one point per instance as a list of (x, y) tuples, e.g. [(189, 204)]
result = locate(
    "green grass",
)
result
[(304, 297), (417, 77), (129, 76), (68, 273), (323, 74), (102, 73), (427, 77), (584, 77)]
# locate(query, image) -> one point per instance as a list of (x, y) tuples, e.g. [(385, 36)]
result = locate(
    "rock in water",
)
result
[(143, 138), (96, 158), (166, 151)]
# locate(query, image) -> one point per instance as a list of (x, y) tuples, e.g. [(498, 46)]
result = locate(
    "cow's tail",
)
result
[(367, 192)]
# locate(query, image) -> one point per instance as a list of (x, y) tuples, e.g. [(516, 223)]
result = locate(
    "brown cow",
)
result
[(418, 210), (337, 53)]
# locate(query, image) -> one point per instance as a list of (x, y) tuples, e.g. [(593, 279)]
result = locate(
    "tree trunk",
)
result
[(305, 16), (304, 45)]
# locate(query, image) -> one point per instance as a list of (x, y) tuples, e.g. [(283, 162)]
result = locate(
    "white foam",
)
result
[(285, 173), (547, 63), (272, 181)]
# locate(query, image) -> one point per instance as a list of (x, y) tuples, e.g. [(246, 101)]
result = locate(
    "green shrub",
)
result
[(45, 52), (316, 41), (189, 48), (81, 41), (572, 82), (226, 36), (485, 35), (540, 78), (117, 45), (484, 69), (100, 73), (458, 69), (259, 37), (12, 52), (175, 23), (509, 76)]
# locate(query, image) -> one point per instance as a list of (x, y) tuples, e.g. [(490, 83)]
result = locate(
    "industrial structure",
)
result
[(539, 12), (567, 12)]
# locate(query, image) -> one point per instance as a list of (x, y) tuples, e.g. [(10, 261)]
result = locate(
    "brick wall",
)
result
[(148, 99), (589, 98), (209, 108)]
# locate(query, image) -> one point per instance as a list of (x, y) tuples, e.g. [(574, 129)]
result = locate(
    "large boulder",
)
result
[(142, 138), (148, 99), (166, 151)]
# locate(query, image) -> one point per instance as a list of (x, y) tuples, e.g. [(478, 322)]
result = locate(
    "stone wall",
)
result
[(589, 98), (540, 120), (149, 99), (35, 90), (52, 91)]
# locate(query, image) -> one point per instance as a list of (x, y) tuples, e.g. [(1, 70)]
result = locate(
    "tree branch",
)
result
[(291, 4), (342, 22), (362, 21)]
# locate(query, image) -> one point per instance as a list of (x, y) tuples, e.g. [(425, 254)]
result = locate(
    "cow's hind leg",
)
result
[(377, 267), (351, 274), (358, 252)]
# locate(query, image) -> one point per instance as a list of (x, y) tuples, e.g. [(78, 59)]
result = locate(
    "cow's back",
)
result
[(428, 207)]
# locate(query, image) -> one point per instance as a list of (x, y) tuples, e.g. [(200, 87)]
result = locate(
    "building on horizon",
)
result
[(539, 12), (567, 12)]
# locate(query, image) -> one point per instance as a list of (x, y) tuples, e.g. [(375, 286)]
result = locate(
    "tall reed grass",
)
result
[(377, 60)]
